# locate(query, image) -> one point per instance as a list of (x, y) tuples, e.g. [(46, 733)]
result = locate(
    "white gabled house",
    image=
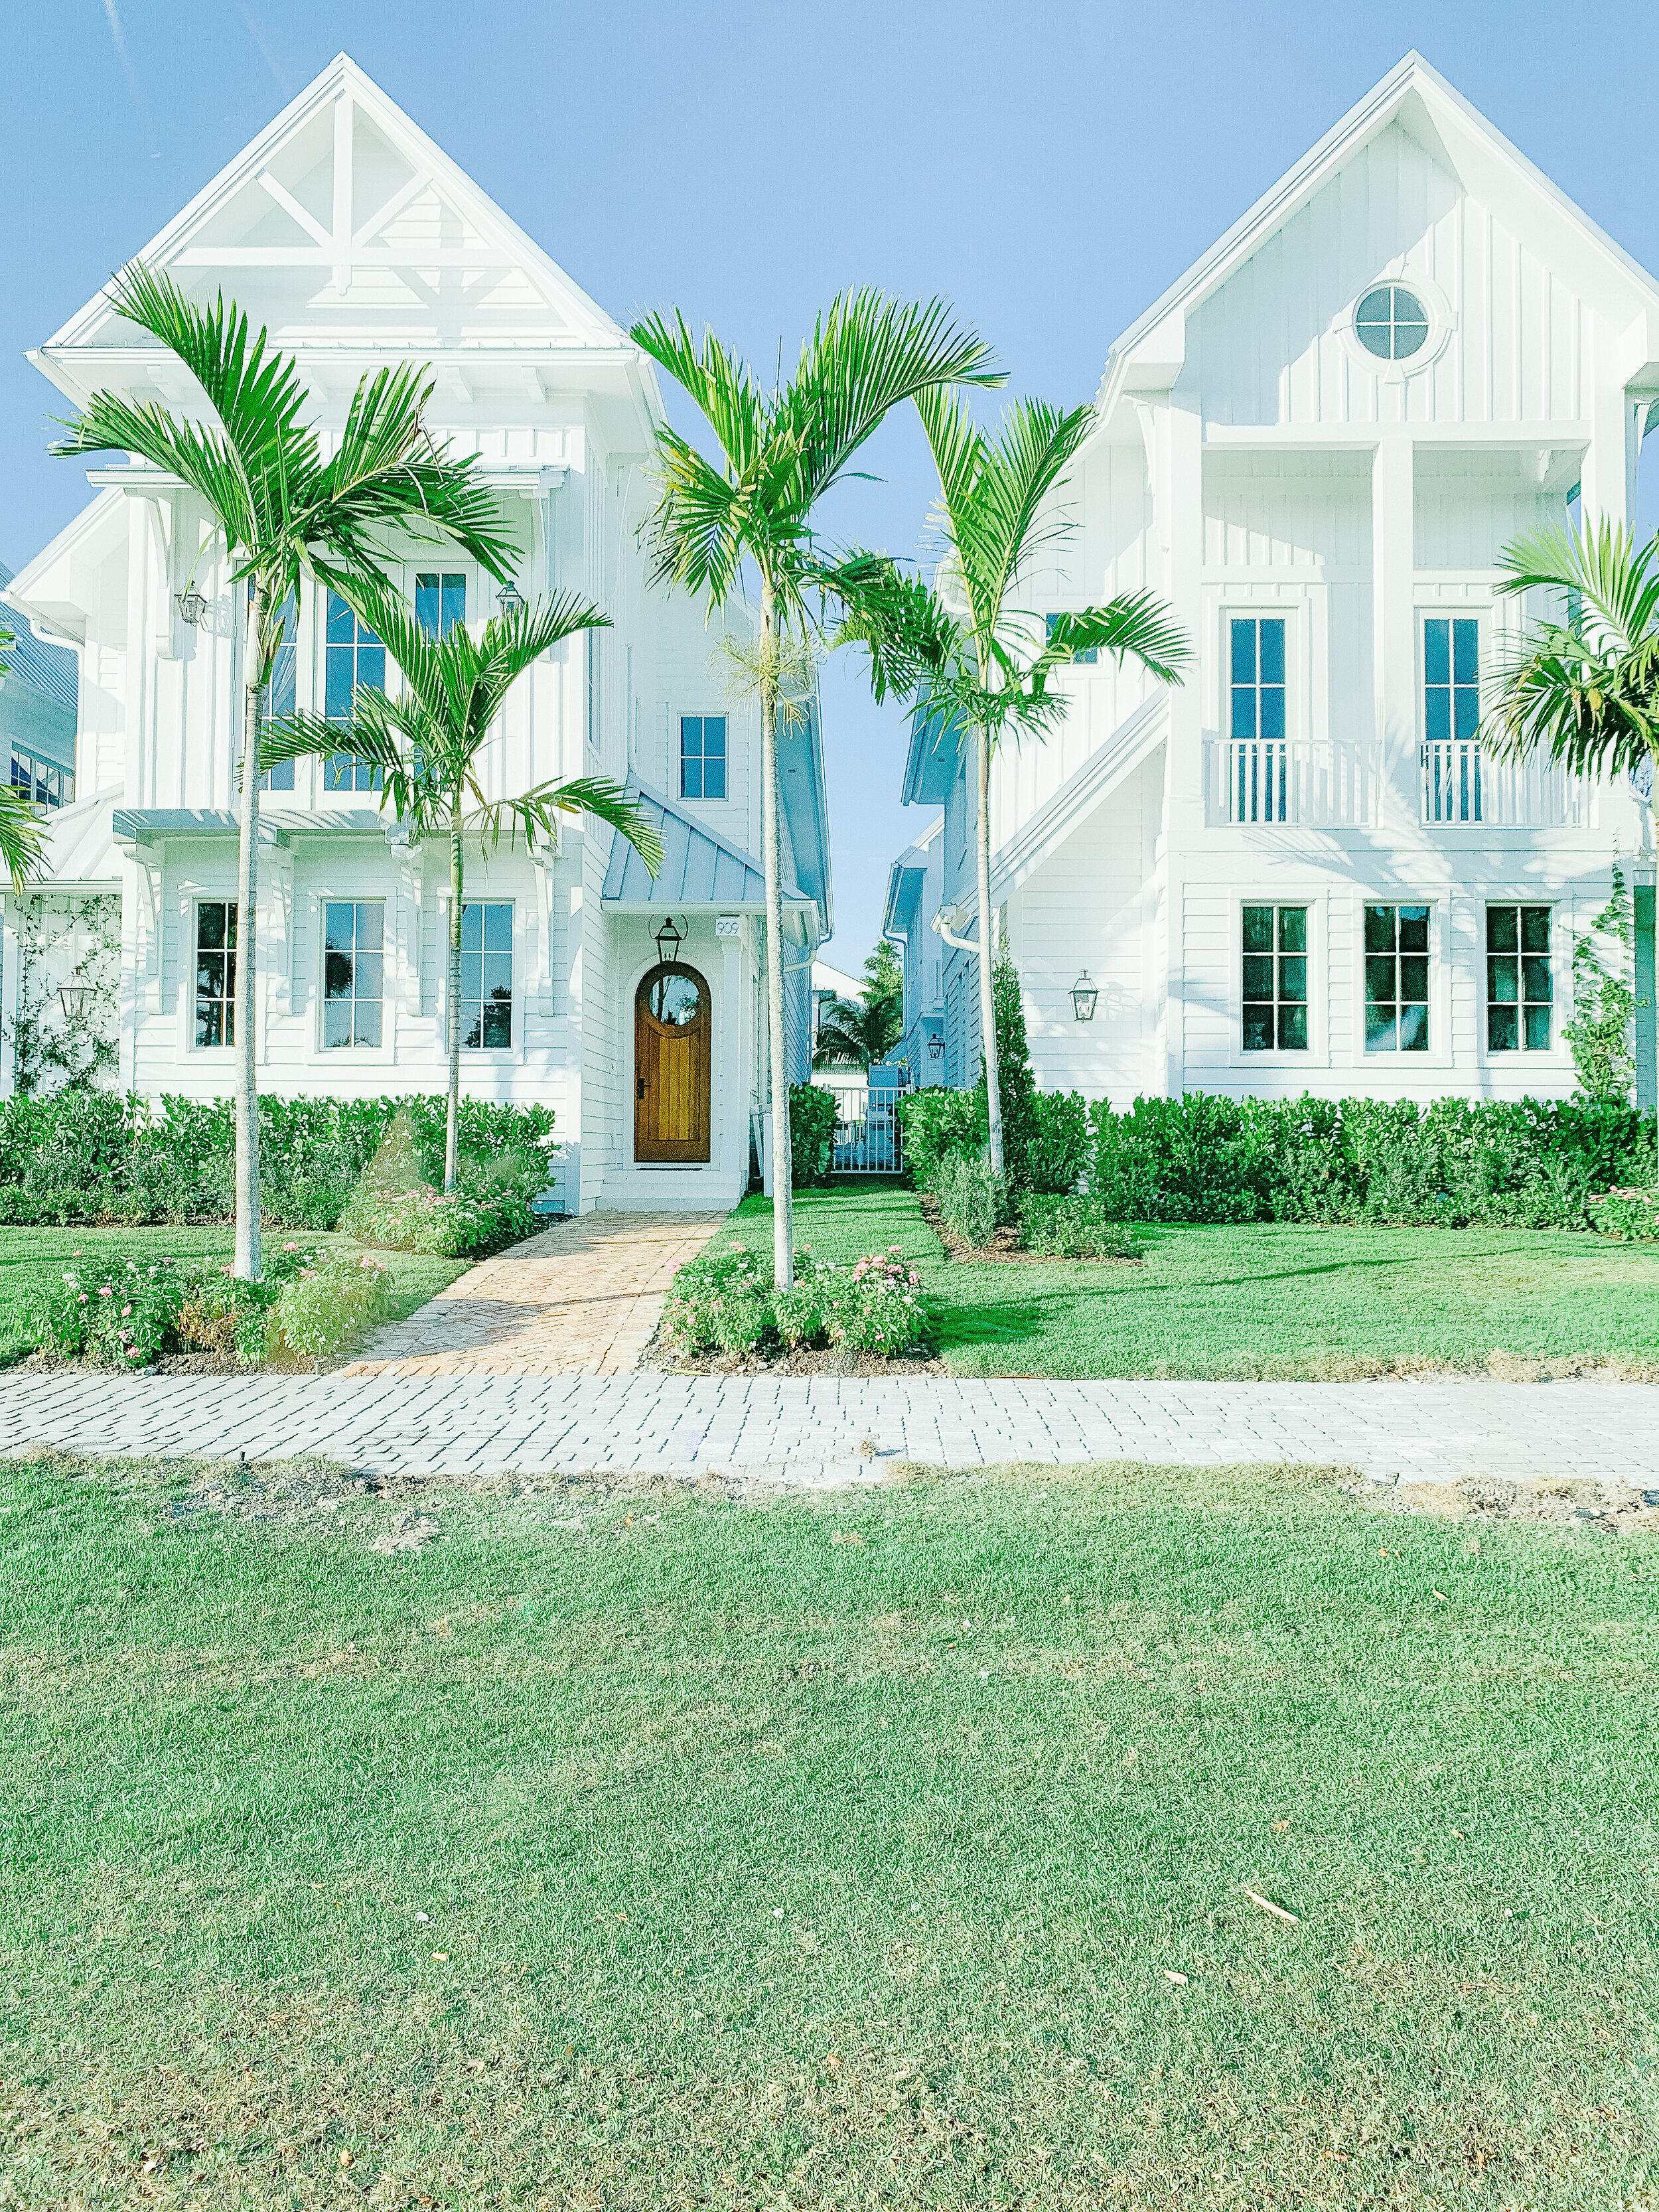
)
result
[(1298, 872), (356, 242)]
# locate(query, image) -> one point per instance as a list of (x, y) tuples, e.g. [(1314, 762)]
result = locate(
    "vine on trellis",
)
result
[(53, 1049)]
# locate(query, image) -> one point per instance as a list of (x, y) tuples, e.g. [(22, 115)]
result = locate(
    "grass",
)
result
[(645, 1851), (1272, 1299), (29, 1256)]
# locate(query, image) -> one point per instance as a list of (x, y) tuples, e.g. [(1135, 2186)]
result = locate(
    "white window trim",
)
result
[(1564, 934), (394, 923), (1233, 606), (525, 921), (1440, 1055), (1426, 610), (1315, 898), (677, 763), (192, 895), (1442, 321)]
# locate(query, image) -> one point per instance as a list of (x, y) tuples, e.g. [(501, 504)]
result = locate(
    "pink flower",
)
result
[(105, 1291), (125, 1310)]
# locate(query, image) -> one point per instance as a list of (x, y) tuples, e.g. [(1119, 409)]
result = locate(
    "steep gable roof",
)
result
[(1147, 356), (341, 226)]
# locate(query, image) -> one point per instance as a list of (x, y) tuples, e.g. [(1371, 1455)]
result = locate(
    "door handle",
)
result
[(640, 1093)]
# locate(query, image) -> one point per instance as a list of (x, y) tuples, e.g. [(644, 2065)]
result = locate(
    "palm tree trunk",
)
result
[(783, 1223), (248, 1259), (988, 1004), (452, 1121)]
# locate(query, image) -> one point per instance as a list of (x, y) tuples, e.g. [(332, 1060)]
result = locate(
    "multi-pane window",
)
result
[(487, 977), (41, 780), (1086, 657), (215, 971), (353, 659), (1275, 980), (1257, 672), (703, 756), (281, 693), (1396, 978), (1392, 323), (354, 978), (1451, 718), (1518, 993), (439, 601)]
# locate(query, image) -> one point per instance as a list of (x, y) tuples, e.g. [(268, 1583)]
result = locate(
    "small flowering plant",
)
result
[(122, 1314), (726, 1302), (1625, 1214)]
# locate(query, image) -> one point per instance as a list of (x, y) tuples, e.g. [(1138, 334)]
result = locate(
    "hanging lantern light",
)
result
[(191, 606), (1084, 995), (669, 940), (75, 998), (936, 1048)]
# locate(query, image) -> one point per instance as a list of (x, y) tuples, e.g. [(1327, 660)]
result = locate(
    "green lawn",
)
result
[(1270, 1299), (652, 1850), (28, 1256)]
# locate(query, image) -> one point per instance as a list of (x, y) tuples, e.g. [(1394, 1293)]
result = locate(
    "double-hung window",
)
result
[(1258, 776), (1397, 978), (354, 971), (354, 660), (1518, 985), (1275, 979), (1451, 719), (703, 756), (281, 693), (439, 601), (216, 972), (487, 976)]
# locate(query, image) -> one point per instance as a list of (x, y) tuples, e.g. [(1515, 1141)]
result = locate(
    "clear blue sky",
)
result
[(1049, 168)]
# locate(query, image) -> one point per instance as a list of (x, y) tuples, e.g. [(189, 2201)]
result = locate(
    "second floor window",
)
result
[(216, 972), (283, 694), (487, 977), (1518, 990), (1451, 719), (1089, 655), (703, 756), (354, 971), (439, 601), (354, 660), (1396, 978), (1257, 675), (1275, 979)]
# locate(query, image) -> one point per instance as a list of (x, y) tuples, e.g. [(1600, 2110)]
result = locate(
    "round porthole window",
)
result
[(1391, 322)]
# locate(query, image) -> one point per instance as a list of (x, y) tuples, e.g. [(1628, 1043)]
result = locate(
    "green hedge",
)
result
[(1534, 1163), (87, 1156), (811, 1133)]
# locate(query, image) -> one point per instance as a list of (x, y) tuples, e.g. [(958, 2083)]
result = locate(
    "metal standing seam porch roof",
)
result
[(698, 868)]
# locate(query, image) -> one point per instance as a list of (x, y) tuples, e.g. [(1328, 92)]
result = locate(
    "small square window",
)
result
[(1519, 988), (703, 756), (354, 972), (1275, 994), (216, 973), (487, 977), (1396, 978)]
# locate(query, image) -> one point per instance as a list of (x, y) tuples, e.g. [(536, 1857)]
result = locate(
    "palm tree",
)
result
[(285, 513), (1585, 689), (978, 665), (780, 452), (425, 744), (860, 1032)]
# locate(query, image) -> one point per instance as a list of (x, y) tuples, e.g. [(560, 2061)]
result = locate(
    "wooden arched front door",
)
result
[(672, 1023)]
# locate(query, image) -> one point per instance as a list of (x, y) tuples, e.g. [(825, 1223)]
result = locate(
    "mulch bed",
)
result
[(665, 1359)]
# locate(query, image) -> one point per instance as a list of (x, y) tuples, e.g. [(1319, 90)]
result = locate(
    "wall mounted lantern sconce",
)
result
[(75, 998), (191, 606), (509, 598), (669, 940), (1083, 995)]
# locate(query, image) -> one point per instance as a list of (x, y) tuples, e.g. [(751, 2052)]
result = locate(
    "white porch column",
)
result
[(1393, 634)]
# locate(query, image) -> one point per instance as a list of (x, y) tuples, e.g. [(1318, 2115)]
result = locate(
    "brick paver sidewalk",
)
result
[(582, 1299)]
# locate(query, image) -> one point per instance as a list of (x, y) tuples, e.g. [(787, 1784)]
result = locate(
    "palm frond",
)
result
[(22, 836), (202, 458), (1135, 624), (721, 387), (256, 394), (1584, 691), (910, 634), (1601, 571), (534, 811)]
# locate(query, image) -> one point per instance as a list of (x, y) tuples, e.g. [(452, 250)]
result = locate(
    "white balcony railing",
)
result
[(1288, 780), (1464, 787)]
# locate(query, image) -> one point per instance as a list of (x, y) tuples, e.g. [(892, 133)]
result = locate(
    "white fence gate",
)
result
[(867, 1139)]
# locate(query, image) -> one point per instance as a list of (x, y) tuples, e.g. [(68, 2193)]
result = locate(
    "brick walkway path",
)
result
[(582, 1299), (811, 1430)]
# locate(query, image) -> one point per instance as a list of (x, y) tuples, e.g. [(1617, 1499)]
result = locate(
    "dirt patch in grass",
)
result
[(1616, 1508), (1005, 1248)]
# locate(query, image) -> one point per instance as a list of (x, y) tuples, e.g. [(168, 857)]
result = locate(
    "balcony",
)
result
[(1293, 782), (1463, 787)]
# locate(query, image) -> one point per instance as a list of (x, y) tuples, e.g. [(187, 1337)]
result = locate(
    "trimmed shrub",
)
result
[(324, 1310), (937, 1124), (811, 1133), (1058, 1149), (1016, 1084), (1072, 1228), (724, 1301), (972, 1197), (1626, 1214)]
